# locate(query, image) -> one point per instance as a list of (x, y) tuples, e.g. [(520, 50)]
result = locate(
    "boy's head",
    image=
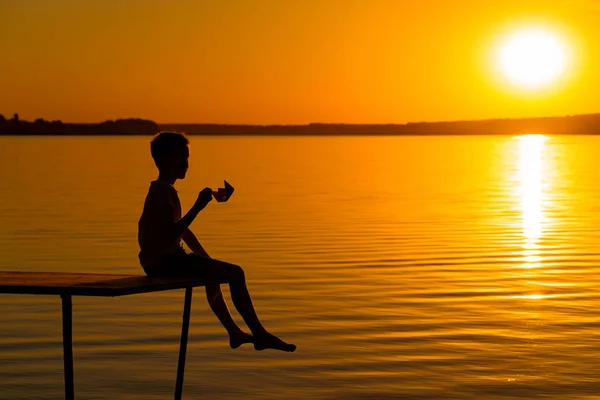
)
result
[(170, 151)]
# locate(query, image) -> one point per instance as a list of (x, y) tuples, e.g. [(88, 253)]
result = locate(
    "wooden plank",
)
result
[(81, 284)]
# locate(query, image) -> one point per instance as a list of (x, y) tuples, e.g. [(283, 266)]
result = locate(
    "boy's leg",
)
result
[(214, 295), (223, 272), (220, 271)]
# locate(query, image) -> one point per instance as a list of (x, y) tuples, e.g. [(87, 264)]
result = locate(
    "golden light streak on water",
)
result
[(532, 297), (531, 176), (531, 191)]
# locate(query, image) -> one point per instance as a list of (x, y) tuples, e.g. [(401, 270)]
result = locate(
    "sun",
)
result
[(532, 58)]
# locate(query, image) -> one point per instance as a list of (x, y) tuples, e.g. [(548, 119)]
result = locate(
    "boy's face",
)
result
[(177, 162)]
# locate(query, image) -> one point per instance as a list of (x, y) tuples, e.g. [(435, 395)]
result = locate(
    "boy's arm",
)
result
[(181, 227), (162, 213), (190, 239)]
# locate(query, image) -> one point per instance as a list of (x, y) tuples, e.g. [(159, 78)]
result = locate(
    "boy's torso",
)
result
[(150, 238)]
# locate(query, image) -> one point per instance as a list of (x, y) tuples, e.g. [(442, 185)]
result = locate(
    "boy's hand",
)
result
[(204, 197)]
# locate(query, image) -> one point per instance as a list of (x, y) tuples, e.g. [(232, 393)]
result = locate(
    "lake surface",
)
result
[(402, 267)]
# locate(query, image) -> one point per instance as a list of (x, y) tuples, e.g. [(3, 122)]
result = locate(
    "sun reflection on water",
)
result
[(531, 192)]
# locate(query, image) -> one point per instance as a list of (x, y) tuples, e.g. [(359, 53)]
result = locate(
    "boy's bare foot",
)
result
[(238, 339), (268, 341)]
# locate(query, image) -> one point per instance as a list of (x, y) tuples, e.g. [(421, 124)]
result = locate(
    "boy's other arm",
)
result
[(190, 239)]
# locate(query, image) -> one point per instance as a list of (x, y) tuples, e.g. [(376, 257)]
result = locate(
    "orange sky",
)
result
[(288, 61)]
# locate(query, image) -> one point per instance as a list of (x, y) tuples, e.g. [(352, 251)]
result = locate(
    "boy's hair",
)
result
[(165, 142)]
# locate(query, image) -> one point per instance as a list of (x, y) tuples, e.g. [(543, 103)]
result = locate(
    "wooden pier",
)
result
[(67, 285)]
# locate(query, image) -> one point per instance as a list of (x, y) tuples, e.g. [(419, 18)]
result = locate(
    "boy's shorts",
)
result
[(180, 264)]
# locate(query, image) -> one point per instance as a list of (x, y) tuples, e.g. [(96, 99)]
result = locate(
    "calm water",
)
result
[(402, 267)]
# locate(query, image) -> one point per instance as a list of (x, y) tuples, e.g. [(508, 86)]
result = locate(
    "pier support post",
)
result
[(187, 307), (67, 330)]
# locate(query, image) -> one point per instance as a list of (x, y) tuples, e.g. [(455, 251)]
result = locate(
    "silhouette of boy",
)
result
[(161, 229)]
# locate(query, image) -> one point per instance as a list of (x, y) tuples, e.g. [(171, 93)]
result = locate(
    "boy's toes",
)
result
[(272, 342)]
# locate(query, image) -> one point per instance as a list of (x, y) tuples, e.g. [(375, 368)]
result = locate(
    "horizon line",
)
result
[(322, 123)]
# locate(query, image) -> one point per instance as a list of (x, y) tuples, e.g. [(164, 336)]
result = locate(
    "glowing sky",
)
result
[(284, 61)]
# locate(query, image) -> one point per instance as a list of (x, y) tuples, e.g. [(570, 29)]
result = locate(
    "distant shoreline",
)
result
[(585, 124)]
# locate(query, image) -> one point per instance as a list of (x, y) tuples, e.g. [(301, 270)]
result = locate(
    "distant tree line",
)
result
[(588, 124), (129, 126)]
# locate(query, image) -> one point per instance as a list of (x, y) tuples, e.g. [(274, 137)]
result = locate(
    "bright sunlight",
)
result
[(532, 58)]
